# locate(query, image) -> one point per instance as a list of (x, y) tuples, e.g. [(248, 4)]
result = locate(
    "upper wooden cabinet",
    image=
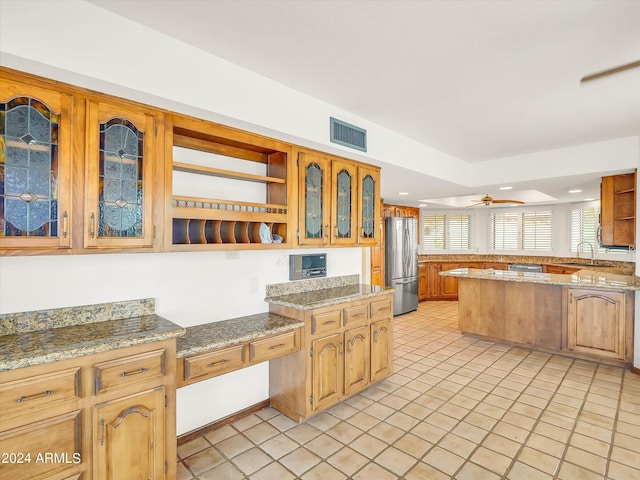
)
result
[(35, 166), (120, 151), (225, 188), (337, 198), (368, 206), (85, 172), (618, 210), (344, 177)]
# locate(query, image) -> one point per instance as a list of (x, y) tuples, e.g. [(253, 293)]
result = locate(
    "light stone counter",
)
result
[(583, 278), (322, 292), (43, 336)]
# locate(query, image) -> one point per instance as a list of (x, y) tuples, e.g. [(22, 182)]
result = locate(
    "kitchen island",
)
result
[(588, 314)]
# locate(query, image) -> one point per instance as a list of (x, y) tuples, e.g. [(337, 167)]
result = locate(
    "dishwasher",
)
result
[(525, 267)]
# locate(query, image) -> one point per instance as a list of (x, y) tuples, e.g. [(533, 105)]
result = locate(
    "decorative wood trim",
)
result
[(635, 370), (187, 437)]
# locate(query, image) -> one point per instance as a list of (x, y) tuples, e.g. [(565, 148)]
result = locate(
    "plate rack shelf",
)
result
[(210, 222)]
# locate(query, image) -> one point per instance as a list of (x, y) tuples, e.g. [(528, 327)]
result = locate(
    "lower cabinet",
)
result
[(600, 322), (129, 438), (381, 349), (345, 348), (105, 416), (432, 286)]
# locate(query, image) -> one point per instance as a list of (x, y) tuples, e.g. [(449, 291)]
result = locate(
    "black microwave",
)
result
[(308, 265)]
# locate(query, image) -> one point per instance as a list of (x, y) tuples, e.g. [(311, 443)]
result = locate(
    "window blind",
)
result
[(584, 228), (459, 228), (433, 232), (536, 230), (504, 231), (584, 222)]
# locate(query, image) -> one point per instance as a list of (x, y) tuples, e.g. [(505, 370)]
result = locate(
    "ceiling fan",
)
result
[(487, 200)]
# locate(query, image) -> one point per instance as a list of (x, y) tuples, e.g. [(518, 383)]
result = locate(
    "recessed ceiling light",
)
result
[(575, 191), (403, 193), (422, 205), (505, 188), (589, 199)]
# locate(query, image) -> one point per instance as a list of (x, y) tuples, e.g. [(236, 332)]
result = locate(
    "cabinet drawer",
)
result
[(128, 370), (60, 436), (40, 391), (273, 347), (214, 363), (354, 316), (325, 322), (381, 309)]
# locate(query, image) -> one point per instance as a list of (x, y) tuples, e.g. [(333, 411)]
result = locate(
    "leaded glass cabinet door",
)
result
[(314, 199), (35, 167), (120, 149), (343, 206), (369, 206)]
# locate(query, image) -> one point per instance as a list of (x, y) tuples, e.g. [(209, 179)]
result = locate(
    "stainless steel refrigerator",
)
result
[(401, 262)]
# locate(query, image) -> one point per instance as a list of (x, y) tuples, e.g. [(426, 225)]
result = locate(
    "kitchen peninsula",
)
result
[(587, 314)]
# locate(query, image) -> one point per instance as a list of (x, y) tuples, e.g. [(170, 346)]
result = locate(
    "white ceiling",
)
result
[(477, 80)]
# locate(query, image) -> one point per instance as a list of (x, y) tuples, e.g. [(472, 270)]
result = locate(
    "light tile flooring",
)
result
[(455, 407)]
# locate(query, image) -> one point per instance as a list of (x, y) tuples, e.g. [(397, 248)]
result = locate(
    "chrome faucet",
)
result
[(583, 243)]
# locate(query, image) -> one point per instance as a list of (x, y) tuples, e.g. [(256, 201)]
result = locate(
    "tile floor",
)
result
[(455, 407)]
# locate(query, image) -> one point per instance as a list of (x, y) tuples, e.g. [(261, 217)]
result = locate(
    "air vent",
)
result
[(348, 135)]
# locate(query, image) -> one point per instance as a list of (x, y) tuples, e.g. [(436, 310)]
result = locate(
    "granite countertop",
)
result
[(214, 335), (609, 266), (311, 299), (583, 278), (31, 338)]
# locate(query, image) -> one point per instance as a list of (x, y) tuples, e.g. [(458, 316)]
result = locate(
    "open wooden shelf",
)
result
[(219, 172), (217, 223), (198, 231)]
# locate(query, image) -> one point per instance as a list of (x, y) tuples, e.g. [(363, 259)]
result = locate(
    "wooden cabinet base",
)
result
[(582, 323), (345, 348)]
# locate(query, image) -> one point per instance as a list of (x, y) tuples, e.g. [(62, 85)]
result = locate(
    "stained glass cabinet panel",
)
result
[(120, 168), (35, 167)]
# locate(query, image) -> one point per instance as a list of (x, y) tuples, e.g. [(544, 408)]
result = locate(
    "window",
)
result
[(536, 230), (584, 223), (446, 232), (434, 235), (504, 231), (584, 228), (521, 230), (459, 232)]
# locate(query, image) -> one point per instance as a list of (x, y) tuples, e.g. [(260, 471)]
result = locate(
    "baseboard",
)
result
[(187, 437), (635, 370)]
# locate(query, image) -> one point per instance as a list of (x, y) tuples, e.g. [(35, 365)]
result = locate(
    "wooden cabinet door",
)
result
[(120, 148), (327, 370), (368, 206), (356, 359), (344, 183), (314, 197), (596, 322), (35, 167), (434, 280), (381, 349), (129, 437), (423, 282), (448, 285)]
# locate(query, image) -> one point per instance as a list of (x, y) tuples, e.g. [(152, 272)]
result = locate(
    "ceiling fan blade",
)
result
[(611, 71), (474, 205), (508, 201)]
